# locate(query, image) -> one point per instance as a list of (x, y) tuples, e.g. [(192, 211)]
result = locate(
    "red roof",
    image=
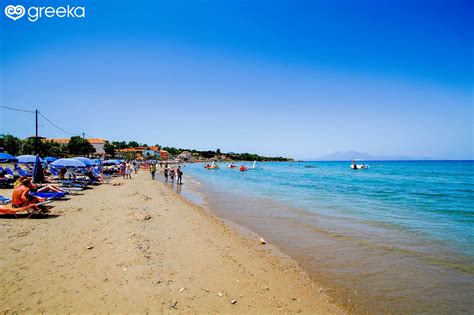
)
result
[(66, 140), (140, 149)]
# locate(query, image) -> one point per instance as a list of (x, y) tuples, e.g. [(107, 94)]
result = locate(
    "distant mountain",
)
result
[(354, 155)]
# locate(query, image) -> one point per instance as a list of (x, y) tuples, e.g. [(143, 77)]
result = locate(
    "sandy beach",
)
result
[(141, 248)]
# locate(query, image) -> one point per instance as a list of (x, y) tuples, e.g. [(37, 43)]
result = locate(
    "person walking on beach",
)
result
[(172, 174), (123, 167), (166, 174), (180, 176), (128, 171), (152, 170)]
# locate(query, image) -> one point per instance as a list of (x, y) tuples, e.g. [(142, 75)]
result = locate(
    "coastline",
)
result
[(356, 264), (142, 248)]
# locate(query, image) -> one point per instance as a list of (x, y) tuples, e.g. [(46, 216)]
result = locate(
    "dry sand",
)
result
[(141, 248)]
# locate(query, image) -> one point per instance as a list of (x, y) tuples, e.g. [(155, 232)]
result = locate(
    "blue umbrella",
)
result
[(7, 158), (67, 163), (38, 175), (86, 161), (27, 159), (96, 161), (50, 159), (110, 162)]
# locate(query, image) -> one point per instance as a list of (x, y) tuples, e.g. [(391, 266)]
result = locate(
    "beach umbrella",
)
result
[(7, 158), (110, 162), (50, 159), (67, 163), (99, 167), (27, 159), (86, 161), (38, 174), (96, 161)]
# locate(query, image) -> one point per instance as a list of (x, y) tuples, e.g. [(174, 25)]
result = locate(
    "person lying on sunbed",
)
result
[(91, 175), (39, 187), (21, 196)]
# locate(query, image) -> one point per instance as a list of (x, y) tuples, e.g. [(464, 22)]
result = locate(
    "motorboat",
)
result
[(359, 165)]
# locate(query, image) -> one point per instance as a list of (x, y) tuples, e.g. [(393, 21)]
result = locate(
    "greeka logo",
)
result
[(16, 12)]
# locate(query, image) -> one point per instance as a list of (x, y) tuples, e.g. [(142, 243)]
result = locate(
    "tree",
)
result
[(11, 144), (28, 146), (172, 150), (45, 148), (132, 144), (79, 146), (208, 154), (120, 144), (109, 149)]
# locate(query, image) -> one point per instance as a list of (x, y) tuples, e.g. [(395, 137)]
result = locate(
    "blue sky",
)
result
[(291, 78)]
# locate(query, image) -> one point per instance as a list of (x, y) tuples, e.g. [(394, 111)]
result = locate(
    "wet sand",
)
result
[(141, 248)]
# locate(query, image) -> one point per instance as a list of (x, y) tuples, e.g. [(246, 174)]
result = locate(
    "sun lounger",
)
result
[(28, 209), (22, 172), (49, 195), (9, 171), (4, 200)]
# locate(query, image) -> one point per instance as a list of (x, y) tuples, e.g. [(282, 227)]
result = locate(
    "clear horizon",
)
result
[(294, 79)]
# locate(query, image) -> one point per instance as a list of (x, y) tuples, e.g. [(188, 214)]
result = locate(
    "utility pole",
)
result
[(36, 136), (83, 135)]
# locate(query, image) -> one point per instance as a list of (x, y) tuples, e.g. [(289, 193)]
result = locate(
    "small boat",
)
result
[(232, 165), (213, 166), (255, 166), (361, 166), (242, 168)]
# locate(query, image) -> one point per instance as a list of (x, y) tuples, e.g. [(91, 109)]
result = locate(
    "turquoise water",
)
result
[(397, 237)]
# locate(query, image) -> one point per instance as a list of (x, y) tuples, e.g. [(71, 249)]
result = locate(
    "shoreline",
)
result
[(359, 271), (144, 248)]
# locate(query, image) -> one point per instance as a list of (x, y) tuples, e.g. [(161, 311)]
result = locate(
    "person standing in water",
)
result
[(354, 165), (179, 173), (153, 170), (172, 173)]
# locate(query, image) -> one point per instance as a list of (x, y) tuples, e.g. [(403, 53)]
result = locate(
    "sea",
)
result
[(396, 238)]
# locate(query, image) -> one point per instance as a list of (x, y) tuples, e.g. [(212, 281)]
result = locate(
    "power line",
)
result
[(46, 118), (73, 134), (18, 109)]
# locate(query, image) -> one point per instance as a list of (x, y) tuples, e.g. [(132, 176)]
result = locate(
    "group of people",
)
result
[(169, 173), (126, 169)]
